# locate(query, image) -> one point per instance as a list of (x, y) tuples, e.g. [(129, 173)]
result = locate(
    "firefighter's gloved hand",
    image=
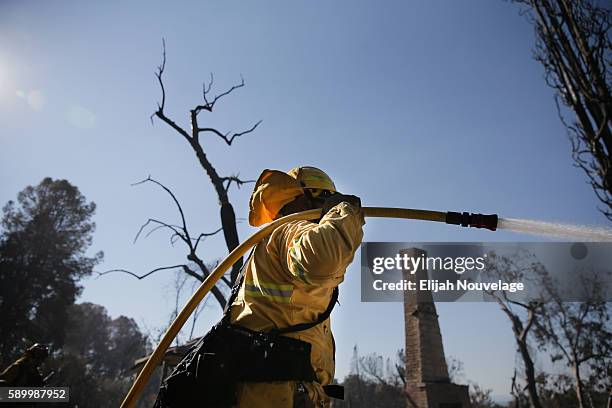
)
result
[(332, 201)]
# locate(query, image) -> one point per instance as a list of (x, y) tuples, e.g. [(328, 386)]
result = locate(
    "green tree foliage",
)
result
[(97, 356), (46, 233), (558, 391), (578, 334)]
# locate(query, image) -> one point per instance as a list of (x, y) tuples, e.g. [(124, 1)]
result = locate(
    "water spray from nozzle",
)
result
[(466, 219)]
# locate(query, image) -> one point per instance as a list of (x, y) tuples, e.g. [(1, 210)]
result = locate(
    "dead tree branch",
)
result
[(226, 137), (220, 183), (178, 232), (228, 180), (140, 277), (209, 105)]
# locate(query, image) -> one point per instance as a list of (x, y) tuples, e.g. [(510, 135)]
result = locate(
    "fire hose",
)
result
[(464, 219)]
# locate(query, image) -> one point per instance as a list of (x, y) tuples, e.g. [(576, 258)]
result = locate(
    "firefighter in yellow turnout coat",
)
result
[(291, 274)]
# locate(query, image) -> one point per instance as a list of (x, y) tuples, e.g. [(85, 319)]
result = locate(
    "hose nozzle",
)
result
[(466, 219)]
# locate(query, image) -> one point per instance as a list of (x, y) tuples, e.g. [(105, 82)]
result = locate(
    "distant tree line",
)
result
[(378, 382), (45, 235), (574, 335)]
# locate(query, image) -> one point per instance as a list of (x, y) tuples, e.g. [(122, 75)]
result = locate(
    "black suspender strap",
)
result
[(305, 326), (236, 287)]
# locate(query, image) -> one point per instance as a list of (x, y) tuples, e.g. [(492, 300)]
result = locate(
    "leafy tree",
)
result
[(574, 333), (45, 235), (578, 333), (557, 391), (97, 357), (481, 398)]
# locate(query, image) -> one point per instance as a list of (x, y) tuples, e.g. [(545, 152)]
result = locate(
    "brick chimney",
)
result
[(427, 381)]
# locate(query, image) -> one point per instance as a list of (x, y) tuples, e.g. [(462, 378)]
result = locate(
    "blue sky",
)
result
[(434, 105)]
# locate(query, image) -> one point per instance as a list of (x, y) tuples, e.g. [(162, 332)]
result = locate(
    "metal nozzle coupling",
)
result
[(488, 221)]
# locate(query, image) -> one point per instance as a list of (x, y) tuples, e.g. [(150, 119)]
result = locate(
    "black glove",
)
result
[(335, 199)]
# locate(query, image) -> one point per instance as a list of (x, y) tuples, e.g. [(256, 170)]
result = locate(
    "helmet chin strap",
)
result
[(314, 202), (311, 199)]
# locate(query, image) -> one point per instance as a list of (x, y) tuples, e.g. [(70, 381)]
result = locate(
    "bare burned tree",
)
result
[(220, 183), (574, 47), (179, 232), (197, 268)]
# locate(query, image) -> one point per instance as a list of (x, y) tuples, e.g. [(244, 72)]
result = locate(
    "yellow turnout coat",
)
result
[(289, 280)]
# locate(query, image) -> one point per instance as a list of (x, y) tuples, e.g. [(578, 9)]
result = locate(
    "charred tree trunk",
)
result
[(221, 184)]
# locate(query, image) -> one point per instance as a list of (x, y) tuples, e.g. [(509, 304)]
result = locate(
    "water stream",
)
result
[(558, 230)]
